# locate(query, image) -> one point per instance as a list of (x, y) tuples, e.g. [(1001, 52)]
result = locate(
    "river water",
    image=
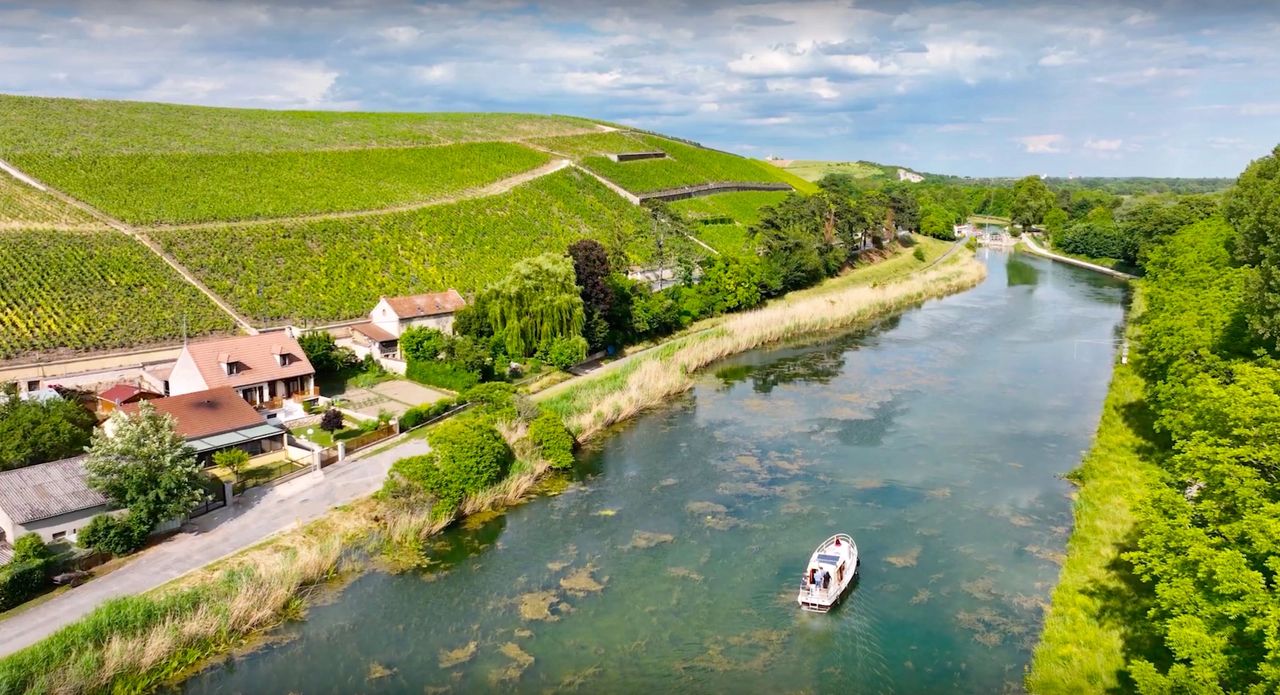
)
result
[(672, 560)]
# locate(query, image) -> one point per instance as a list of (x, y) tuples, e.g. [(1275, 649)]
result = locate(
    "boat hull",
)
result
[(836, 560)]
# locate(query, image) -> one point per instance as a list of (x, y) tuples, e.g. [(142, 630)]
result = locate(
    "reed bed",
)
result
[(594, 405)]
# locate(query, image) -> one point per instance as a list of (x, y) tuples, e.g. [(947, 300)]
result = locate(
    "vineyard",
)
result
[(78, 291), (579, 146), (329, 270), (685, 165), (67, 127), (722, 220), (22, 206), (177, 188)]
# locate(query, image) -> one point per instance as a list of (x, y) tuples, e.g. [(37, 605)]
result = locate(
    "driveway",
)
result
[(251, 518)]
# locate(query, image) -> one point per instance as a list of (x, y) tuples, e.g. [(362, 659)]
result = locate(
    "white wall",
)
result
[(6, 527), (383, 317), (70, 524), (186, 376), (440, 323)]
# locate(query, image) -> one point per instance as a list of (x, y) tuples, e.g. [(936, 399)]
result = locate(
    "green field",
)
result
[(579, 146), (685, 165), (22, 206), (61, 127), (77, 291), (722, 220), (336, 269), (179, 188), (814, 170)]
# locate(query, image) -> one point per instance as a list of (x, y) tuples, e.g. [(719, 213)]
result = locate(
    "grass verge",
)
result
[(1094, 624), (590, 406)]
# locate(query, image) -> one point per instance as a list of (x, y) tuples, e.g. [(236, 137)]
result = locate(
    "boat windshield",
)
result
[(828, 559)]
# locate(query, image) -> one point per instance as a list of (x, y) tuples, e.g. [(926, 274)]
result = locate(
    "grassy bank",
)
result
[(592, 404), (1095, 621)]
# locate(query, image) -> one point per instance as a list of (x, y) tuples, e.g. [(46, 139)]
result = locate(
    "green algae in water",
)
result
[(901, 436)]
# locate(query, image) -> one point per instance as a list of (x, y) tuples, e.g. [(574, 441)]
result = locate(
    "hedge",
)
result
[(548, 432), (441, 374), (21, 581)]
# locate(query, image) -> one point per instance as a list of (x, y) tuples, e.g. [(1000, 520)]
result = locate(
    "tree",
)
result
[(234, 460), (146, 466), (331, 421), (1253, 209), (30, 546), (323, 352), (38, 431), (423, 343), (1032, 200), (536, 302), (591, 271), (466, 457), (905, 205), (564, 352)]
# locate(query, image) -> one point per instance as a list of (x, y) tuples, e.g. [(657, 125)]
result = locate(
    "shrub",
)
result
[(30, 547), (331, 421), (20, 581), (441, 374), (565, 351), (233, 460), (918, 254), (465, 458), (117, 535), (421, 413), (548, 432)]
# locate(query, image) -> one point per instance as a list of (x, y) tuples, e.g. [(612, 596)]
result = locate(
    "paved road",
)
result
[(1040, 250), (254, 516)]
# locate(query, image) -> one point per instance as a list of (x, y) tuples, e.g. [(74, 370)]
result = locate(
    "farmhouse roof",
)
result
[(206, 413), (372, 332), (255, 355), (432, 304), (120, 393), (47, 490)]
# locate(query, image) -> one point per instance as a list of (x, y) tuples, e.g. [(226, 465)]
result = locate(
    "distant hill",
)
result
[(814, 170), (301, 216)]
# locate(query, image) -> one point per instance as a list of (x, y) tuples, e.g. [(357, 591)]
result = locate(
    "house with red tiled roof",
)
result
[(393, 315), (269, 370), (217, 419), (121, 394)]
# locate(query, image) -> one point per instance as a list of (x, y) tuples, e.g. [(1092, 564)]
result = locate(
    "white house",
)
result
[(393, 315), (268, 370), (52, 499)]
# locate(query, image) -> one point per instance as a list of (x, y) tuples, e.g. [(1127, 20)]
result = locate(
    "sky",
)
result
[(966, 88)]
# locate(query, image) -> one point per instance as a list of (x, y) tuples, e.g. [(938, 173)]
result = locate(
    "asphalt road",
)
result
[(251, 518)]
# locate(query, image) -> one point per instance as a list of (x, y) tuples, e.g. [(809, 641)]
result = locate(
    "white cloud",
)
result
[(1256, 109), (1041, 144), (1054, 59), (1104, 145), (1223, 143), (400, 34), (435, 74)]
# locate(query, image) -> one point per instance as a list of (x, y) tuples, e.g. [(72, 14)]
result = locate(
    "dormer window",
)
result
[(233, 368), (284, 360)]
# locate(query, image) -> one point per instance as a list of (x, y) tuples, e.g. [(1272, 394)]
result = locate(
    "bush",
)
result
[(421, 413), (331, 421), (918, 254), (115, 535), (548, 432), (565, 351), (441, 374), (21, 581), (465, 458), (30, 547)]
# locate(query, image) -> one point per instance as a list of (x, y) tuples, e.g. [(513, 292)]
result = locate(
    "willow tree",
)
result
[(537, 302)]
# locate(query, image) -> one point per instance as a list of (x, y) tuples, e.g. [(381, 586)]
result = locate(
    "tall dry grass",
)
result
[(589, 408)]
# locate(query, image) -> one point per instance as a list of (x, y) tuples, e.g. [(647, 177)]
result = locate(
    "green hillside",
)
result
[(58, 127), (721, 221), (228, 194), (176, 188), (63, 292), (814, 170), (336, 269)]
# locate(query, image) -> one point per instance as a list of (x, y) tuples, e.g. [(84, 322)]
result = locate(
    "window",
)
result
[(33, 385), (233, 368), (59, 535)]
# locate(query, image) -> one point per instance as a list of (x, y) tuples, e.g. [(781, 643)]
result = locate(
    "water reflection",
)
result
[(672, 562)]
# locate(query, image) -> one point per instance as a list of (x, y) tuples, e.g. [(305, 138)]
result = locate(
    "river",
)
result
[(936, 438)]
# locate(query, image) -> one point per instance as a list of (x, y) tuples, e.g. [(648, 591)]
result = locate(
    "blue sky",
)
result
[(990, 88)]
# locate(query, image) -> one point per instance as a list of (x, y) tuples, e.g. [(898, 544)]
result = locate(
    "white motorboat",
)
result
[(830, 572)]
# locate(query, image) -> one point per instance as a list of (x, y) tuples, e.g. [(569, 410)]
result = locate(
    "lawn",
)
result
[(336, 269), (175, 188), (64, 291)]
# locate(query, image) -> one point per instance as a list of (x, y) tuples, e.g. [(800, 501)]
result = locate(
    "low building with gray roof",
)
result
[(52, 499)]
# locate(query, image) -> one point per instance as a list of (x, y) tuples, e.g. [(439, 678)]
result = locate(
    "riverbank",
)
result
[(1094, 622), (591, 405), (140, 642), (1035, 248)]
